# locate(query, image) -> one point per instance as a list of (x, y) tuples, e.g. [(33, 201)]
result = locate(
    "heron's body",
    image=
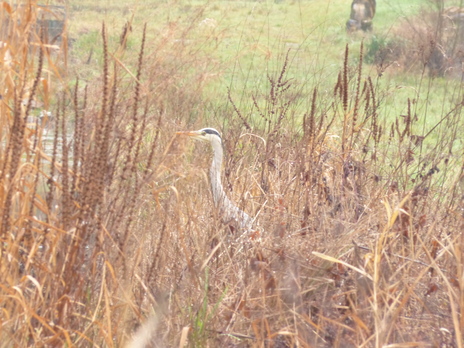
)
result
[(229, 212)]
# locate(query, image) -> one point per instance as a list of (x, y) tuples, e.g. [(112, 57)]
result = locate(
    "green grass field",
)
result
[(350, 166), (246, 41)]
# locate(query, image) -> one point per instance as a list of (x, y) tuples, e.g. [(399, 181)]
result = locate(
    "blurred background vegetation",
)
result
[(346, 149)]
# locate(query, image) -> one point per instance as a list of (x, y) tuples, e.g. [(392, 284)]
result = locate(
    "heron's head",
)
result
[(206, 134)]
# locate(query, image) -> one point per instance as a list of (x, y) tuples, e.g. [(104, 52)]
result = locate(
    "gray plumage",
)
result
[(230, 213)]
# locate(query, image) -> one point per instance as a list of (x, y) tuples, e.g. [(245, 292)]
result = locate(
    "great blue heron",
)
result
[(229, 212)]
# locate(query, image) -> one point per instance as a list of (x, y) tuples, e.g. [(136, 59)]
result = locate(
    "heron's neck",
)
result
[(229, 212), (215, 174)]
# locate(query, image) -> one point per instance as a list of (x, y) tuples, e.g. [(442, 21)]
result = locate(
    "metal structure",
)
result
[(230, 213)]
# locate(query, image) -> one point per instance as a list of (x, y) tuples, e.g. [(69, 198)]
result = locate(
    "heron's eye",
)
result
[(203, 133)]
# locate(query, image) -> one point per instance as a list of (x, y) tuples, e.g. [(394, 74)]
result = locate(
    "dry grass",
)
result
[(110, 237), (430, 41)]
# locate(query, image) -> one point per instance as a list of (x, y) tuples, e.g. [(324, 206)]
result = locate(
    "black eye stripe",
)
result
[(211, 131)]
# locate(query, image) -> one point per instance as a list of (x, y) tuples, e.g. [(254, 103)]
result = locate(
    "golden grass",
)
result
[(110, 238)]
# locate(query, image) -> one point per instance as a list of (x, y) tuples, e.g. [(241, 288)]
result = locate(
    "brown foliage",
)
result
[(107, 237), (431, 41)]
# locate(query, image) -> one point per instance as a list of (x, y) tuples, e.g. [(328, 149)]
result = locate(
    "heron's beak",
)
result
[(194, 134)]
